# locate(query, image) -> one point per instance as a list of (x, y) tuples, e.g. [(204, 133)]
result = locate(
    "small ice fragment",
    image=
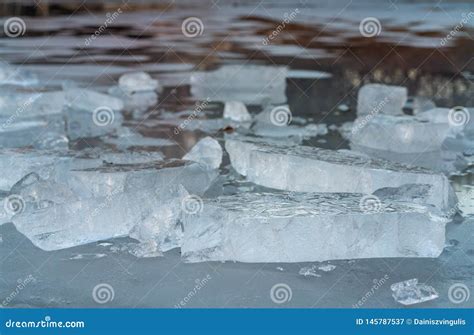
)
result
[(326, 267), (135, 102), (384, 99), (137, 82), (251, 84), (309, 271), (266, 227), (308, 74), (236, 111), (87, 256), (343, 108), (125, 138), (420, 104), (279, 268), (207, 151), (410, 292)]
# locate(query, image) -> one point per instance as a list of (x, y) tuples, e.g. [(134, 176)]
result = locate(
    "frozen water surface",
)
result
[(110, 201)]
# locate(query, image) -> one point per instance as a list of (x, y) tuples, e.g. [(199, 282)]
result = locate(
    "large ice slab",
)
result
[(60, 226), (302, 227), (109, 179), (310, 169), (384, 99), (251, 84)]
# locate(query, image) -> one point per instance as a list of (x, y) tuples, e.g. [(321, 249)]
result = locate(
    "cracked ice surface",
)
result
[(324, 226), (310, 169)]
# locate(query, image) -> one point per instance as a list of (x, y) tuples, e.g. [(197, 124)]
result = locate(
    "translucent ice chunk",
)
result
[(384, 99), (59, 226), (410, 292), (306, 227), (310, 169), (135, 101), (236, 111), (207, 151), (36, 132), (403, 134), (251, 84), (10, 75), (109, 179), (137, 82), (309, 271), (442, 160), (82, 99), (15, 105)]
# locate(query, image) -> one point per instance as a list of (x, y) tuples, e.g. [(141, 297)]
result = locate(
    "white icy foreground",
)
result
[(108, 201), (273, 227), (310, 169)]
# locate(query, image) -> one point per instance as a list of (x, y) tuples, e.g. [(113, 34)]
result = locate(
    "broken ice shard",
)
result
[(58, 226), (236, 111), (251, 84), (16, 105), (381, 99), (78, 206), (207, 151), (310, 169), (137, 82), (403, 134), (410, 292), (306, 227), (83, 99), (108, 179), (41, 133), (138, 102)]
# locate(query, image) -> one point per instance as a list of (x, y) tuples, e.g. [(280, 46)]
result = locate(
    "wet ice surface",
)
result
[(68, 277)]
